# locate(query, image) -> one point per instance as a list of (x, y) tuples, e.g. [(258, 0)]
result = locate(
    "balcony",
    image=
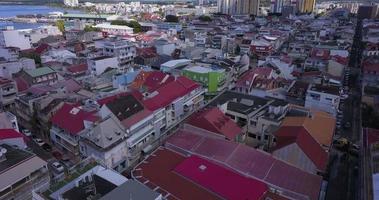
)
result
[(61, 134)]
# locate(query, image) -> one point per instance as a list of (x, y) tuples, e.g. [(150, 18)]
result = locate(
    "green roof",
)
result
[(89, 16), (39, 71)]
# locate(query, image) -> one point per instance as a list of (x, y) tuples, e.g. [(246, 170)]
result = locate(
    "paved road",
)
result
[(344, 181)]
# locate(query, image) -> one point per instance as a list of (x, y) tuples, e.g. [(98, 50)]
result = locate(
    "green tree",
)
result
[(205, 18), (135, 25), (172, 18), (60, 25), (88, 28), (119, 22), (34, 56), (237, 51)]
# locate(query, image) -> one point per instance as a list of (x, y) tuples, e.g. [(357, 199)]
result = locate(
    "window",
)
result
[(266, 137), (259, 137), (253, 123), (252, 135)]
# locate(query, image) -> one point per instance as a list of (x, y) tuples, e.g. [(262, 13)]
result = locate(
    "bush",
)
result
[(205, 18), (172, 18)]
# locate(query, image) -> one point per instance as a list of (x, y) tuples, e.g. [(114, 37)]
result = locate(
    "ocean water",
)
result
[(14, 10)]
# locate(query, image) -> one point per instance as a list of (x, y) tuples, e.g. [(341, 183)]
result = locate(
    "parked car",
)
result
[(39, 141), (27, 132), (57, 167)]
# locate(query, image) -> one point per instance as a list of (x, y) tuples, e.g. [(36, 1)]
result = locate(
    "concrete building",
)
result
[(305, 6), (14, 38), (42, 75), (123, 50), (8, 92), (21, 174), (71, 3), (212, 78), (10, 54), (7, 69), (238, 7), (115, 29), (324, 98), (98, 65)]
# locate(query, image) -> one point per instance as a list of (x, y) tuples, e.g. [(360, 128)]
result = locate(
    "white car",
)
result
[(39, 141), (57, 166), (27, 132)]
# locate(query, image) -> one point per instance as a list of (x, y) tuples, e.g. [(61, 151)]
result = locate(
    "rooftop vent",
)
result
[(202, 167), (74, 111)]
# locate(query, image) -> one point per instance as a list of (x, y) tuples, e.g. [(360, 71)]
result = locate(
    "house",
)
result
[(8, 121), (13, 138), (213, 78), (77, 70), (132, 124), (38, 76), (115, 29), (10, 54), (295, 145), (261, 48), (67, 124), (146, 56), (164, 47), (370, 67), (174, 100), (123, 50), (8, 92), (99, 65), (174, 66), (323, 97), (96, 181), (14, 38), (21, 171), (320, 125), (132, 188), (216, 122), (8, 69), (262, 82)]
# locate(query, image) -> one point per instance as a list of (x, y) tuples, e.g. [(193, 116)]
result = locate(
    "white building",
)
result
[(10, 53), (71, 3), (323, 98), (15, 38), (115, 29), (9, 68), (99, 64), (123, 50)]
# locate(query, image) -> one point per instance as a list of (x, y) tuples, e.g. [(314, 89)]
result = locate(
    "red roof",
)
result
[(290, 180), (41, 48), (169, 92), (341, 60), (323, 54), (157, 173), (78, 68), (215, 121), (371, 67), (226, 183), (287, 135), (11, 133), (71, 118), (247, 78), (157, 79)]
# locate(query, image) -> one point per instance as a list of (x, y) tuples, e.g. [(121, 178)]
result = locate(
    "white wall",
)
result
[(97, 67), (15, 38), (9, 68)]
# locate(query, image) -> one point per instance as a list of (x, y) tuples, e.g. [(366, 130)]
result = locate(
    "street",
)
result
[(343, 172)]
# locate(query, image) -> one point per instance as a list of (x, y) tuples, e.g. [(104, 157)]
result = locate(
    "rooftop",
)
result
[(238, 102), (204, 70), (132, 189), (39, 71), (249, 162), (18, 165), (330, 89)]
